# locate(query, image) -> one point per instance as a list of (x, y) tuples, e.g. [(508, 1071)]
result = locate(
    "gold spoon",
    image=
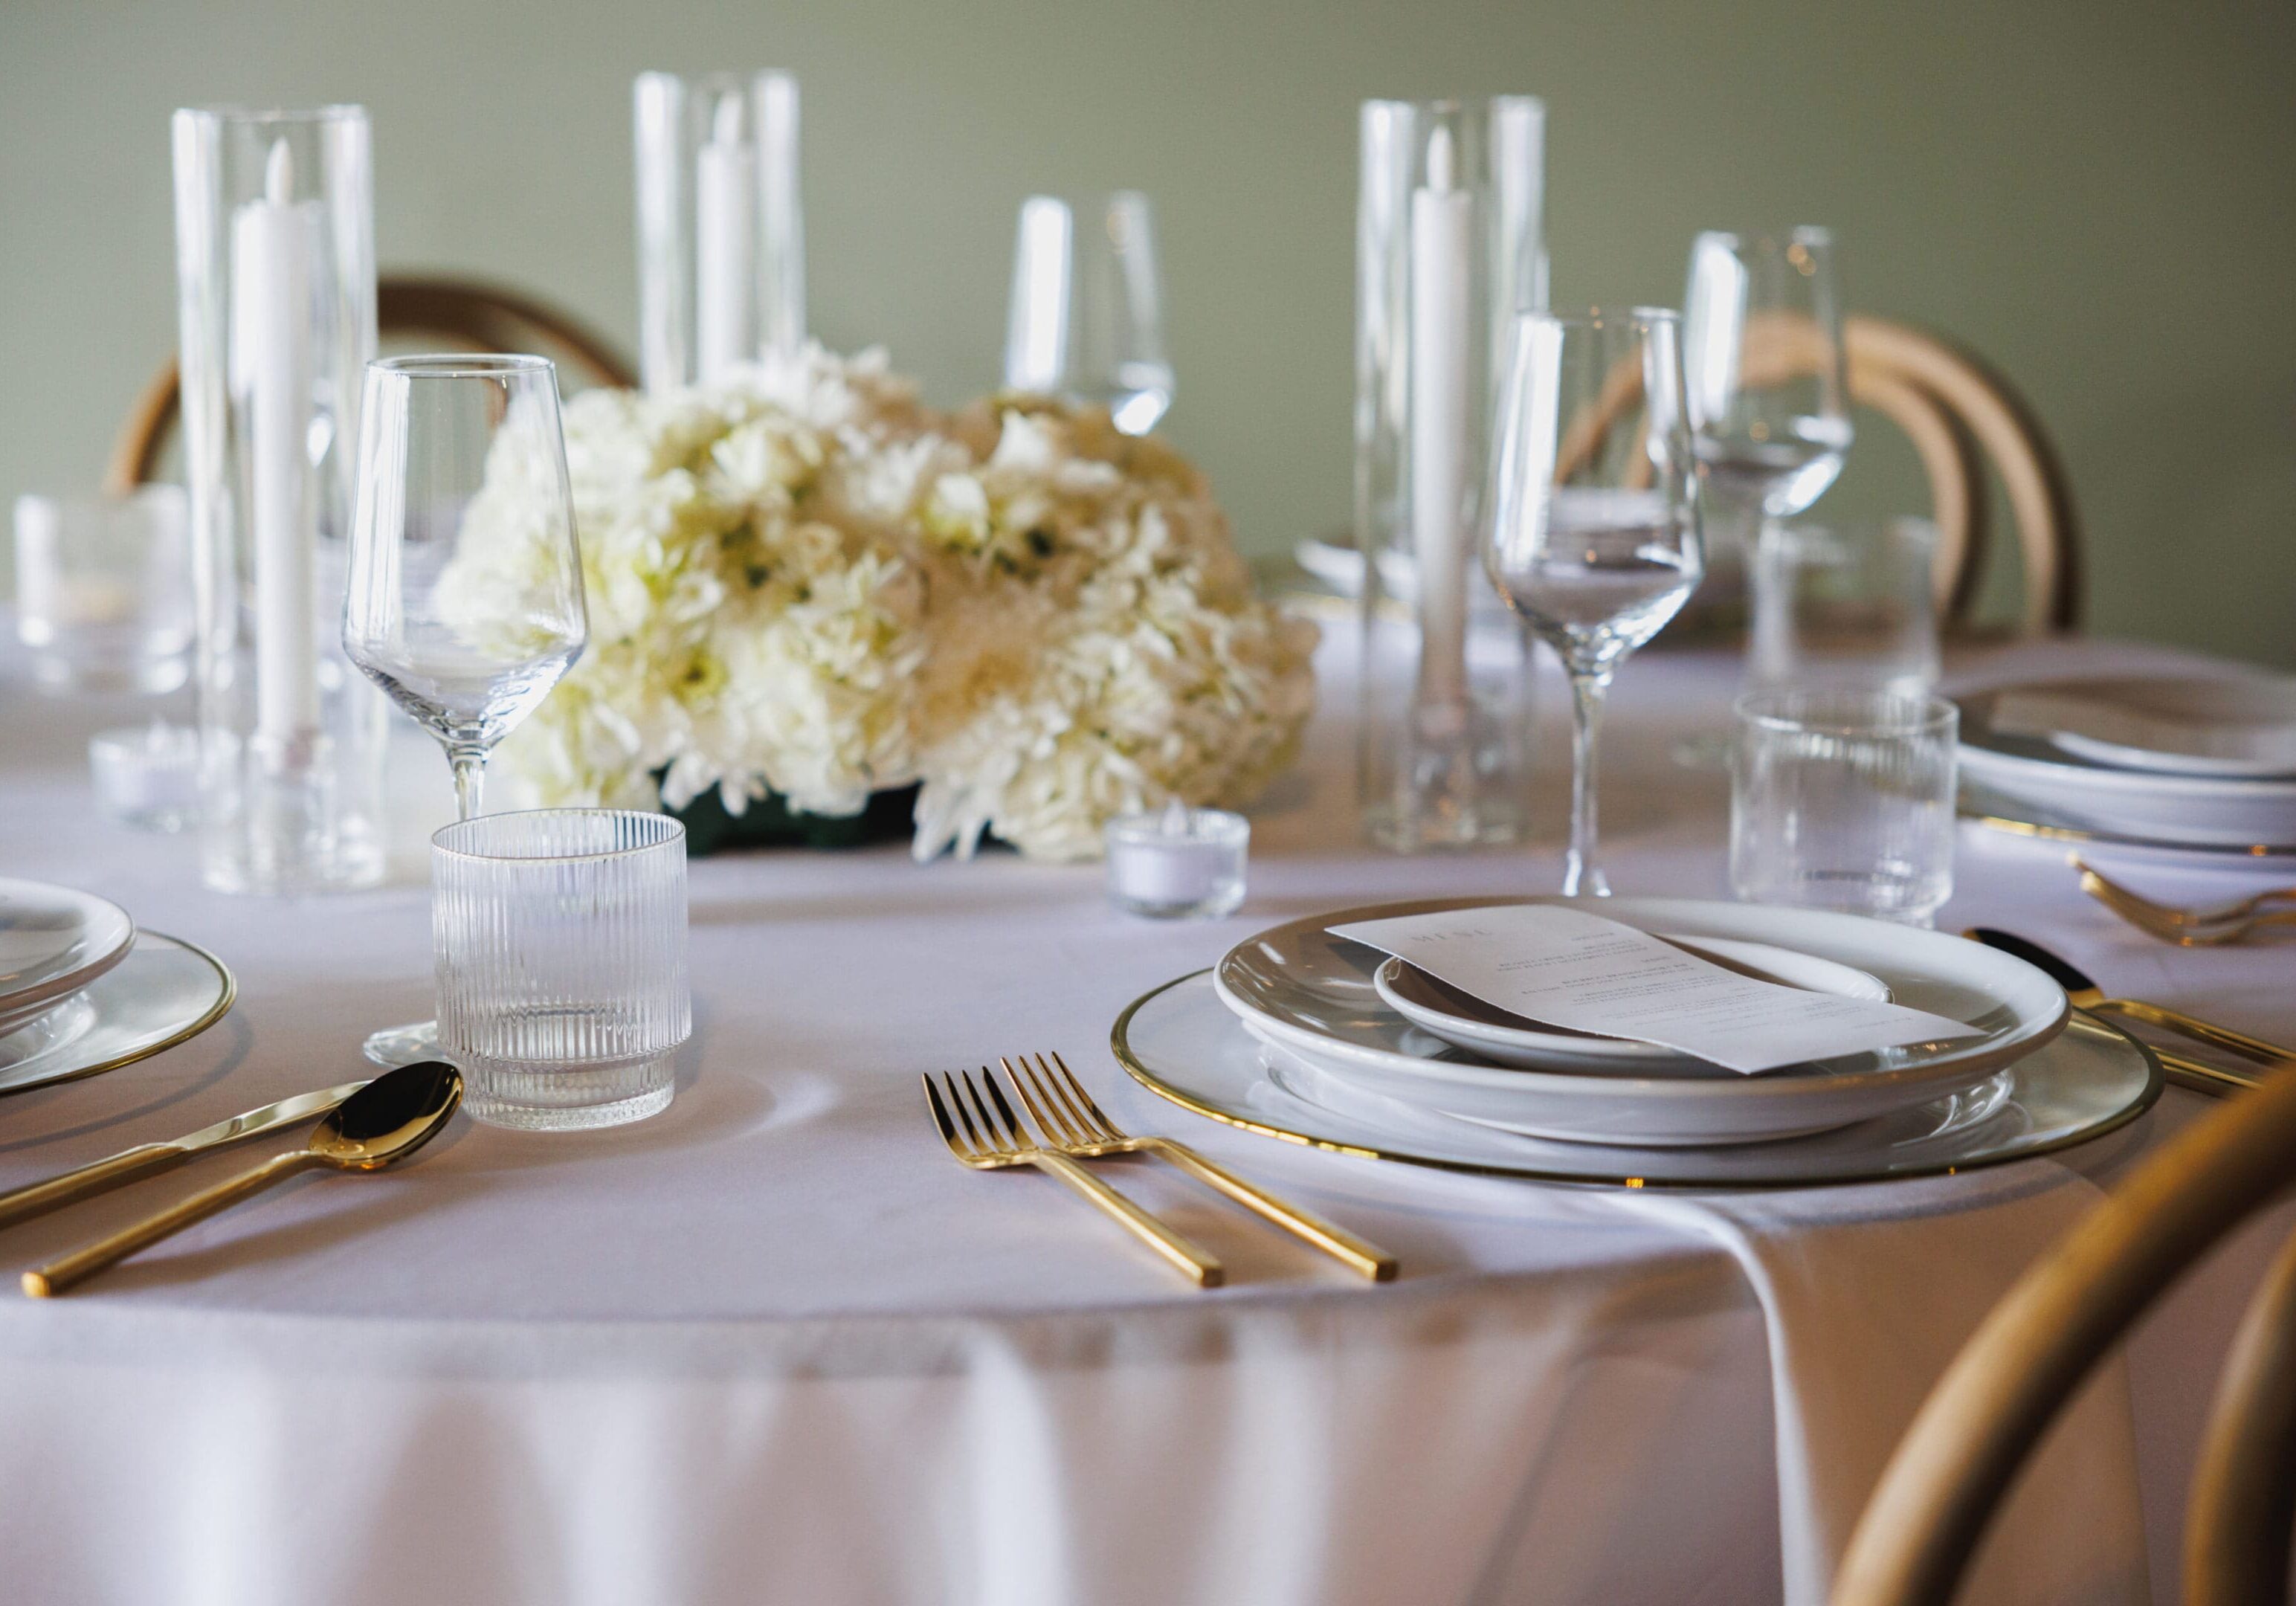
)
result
[(386, 1120)]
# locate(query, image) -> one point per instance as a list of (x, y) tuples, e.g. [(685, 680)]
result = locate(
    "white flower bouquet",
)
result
[(805, 589)]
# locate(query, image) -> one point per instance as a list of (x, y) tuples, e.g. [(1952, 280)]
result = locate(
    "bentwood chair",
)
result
[(456, 313), (1981, 1422), (1967, 426)]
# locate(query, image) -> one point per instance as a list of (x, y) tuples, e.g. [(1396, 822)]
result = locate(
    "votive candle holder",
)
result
[(1178, 863)]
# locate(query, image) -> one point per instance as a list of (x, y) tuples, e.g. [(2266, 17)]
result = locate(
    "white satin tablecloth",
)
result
[(776, 1345)]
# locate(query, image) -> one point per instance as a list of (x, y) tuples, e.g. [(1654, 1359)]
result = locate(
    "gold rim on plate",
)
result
[(1119, 1044), (226, 994), (1984, 814)]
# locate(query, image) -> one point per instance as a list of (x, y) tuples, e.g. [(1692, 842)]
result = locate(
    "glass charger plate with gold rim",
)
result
[(1182, 1044), (167, 991)]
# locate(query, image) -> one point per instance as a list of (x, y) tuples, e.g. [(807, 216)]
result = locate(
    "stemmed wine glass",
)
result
[(1768, 393), (1592, 536), (1087, 319), (464, 601)]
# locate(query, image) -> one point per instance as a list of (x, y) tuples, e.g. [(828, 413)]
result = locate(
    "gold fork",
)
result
[(988, 1147), (2186, 928), (1071, 1122)]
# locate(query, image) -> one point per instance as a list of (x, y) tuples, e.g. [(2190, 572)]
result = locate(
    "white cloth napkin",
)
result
[(1868, 1292)]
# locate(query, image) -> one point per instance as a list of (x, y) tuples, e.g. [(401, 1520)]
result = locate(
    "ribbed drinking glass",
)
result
[(1843, 800), (559, 937)]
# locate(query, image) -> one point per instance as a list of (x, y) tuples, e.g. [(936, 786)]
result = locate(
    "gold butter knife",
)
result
[(145, 1159)]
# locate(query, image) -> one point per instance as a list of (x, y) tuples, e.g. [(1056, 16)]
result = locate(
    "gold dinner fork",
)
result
[(2187, 928), (988, 1146), (1072, 1122)]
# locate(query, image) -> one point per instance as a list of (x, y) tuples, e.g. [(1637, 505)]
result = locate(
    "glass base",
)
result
[(1218, 904), (1388, 827), (531, 1097), (399, 1045), (1708, 751), (60, 676)]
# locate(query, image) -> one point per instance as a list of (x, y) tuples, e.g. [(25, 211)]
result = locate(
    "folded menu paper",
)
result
[(1568, 968)]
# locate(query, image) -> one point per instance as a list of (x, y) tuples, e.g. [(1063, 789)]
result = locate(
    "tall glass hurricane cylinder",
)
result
[(721, 226), (276, 277), (1448, 251)]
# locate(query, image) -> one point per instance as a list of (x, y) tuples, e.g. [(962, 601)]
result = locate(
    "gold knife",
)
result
[(2085, 996), (145, 1159)]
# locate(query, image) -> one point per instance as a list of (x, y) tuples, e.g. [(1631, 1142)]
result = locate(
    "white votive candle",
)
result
[(146, 776), (1182, 863)]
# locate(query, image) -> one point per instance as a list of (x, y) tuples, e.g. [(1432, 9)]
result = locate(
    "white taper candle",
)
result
[(724, 245), (272, 241), (1442, 247)]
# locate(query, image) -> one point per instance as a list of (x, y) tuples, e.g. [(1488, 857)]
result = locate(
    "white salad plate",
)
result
[(1503, 1038), (2242, 727), (1181, 1044), (2077, 791), (1298, 987), (54, 942)]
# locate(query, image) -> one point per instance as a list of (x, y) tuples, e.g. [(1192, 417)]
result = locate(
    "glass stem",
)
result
[(470, 779), (1581, 876)]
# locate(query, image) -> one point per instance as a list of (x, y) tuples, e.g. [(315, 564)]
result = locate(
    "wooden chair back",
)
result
[(1961, 417), (1982, 1420), (1953, 406), (455, 313)]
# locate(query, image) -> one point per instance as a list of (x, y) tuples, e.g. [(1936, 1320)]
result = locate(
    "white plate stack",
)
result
[(82, 990), (54, 943), (2205, 763), (1310, 1035)]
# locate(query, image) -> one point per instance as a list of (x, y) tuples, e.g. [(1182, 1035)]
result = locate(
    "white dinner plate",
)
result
[(54, 942), (1313, 993), (2073, 792), (1180, 1043), (1498, 1036)]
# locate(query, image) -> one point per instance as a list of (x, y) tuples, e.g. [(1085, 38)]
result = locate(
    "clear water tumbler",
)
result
[(1844, 801), (559, 936)]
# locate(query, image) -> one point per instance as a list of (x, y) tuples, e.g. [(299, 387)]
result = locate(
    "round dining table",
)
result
[(775, 1344)]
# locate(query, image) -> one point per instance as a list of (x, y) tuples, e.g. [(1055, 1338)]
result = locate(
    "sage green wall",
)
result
[(2096, 196)]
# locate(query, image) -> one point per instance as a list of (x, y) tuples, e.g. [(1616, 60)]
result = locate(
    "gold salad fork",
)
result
[(1070, 1119), (2188, 928), (988, 1145)]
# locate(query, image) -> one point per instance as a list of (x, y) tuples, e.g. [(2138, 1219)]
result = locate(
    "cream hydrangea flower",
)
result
[(805, 583)]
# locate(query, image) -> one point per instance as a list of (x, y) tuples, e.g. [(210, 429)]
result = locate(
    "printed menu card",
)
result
[(1568, 968)]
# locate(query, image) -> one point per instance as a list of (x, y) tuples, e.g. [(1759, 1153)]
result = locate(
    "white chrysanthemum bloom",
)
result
[(803, 583)]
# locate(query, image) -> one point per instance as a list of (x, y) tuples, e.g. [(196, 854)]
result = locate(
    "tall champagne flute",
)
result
[(1769, 395), (1594, 535), (464, 602)]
